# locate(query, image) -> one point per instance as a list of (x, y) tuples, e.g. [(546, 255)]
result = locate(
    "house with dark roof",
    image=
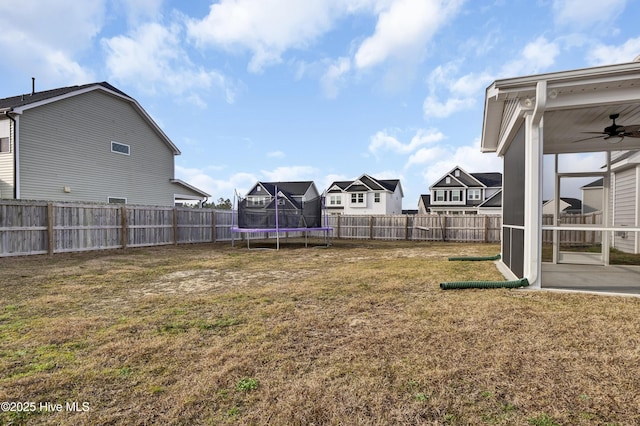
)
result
[(568, 205), (365, 195), (87, 143), (297, 204), (460, 192), (263, 193)]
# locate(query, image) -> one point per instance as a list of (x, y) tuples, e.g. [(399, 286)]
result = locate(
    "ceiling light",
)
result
[(614, 139)]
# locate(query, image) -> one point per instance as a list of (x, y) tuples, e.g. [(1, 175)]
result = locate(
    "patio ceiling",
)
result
[(576, 102), (564, 130)]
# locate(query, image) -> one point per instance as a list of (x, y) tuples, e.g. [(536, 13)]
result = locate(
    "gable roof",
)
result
[(473, 180), (494, 201), (366, 183), (598, 183), (298, 188), (19, 104), (491, 179)]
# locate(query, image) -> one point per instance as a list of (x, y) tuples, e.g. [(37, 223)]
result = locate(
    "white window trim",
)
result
[(361, 199), (119, 152), (476, 192)]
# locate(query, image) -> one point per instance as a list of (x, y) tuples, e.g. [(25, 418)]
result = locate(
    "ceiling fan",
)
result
[(616, 132)]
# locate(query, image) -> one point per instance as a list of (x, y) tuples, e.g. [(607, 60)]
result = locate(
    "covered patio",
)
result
[(538, 123)]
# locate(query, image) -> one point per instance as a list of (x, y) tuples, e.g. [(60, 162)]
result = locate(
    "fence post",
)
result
[(175, 226), (50, 236), (213, 225), (371, 227), (123, 219), (486, 228), (338, 226), (406, 227)]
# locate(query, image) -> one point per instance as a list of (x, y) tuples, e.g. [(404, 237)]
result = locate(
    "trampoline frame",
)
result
[(277, 230)]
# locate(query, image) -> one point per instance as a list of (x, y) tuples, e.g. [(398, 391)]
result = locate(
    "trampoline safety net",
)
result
[(279, 212)]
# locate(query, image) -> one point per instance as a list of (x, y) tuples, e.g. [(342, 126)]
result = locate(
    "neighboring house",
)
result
[(90, 143), (364, 196), (592, 196), (567, 206), (263, 193), (459, 192), (298, 205), (624, 206), (423, 203)]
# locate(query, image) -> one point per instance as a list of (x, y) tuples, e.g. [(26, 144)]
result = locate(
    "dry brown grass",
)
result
[(358, 333)]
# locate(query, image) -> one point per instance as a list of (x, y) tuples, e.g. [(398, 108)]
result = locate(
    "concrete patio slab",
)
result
[(621, 279)]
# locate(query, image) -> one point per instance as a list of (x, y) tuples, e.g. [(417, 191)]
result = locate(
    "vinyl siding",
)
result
[(68, 144), (624, 213), (6, 161)]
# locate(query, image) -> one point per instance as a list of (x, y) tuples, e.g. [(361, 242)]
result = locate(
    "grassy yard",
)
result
[(358, 333)]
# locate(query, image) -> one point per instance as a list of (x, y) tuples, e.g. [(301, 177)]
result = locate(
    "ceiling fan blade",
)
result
[(632, 131), (601, 135)]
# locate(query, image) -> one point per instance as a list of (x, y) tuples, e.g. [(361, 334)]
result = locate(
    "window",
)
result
[(257, 201), (439, 195), (456, 195), (473, 194), (376, 197), (448, 180), (5, 145), (335, 200), (457, 173), (117, 200), (120, 148), (357, 198)]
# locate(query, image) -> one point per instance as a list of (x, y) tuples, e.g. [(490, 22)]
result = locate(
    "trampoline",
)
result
[(280, 213)]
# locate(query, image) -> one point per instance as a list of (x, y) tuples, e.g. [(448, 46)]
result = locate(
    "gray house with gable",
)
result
[(88, 143)]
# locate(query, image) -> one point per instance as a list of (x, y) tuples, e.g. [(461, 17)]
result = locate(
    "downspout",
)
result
[(16, 163), (533, 200)]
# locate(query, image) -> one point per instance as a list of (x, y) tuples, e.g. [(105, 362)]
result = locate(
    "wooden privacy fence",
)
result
[(432, 227), (28, 227), (577, 237), (41, 228)]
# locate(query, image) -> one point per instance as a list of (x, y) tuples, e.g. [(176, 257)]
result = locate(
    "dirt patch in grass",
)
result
[(357, 333)]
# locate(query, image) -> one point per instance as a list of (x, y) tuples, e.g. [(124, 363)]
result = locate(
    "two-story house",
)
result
[(364, 196), (298, 205), (88, 143), (459, 192)]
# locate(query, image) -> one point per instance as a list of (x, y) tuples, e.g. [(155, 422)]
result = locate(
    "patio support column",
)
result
[(534, 138)]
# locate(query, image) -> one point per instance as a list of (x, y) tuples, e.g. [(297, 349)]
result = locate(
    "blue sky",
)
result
[(318, 90)]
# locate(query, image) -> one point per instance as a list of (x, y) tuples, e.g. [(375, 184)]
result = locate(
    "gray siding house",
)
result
[(459, 192), (90, 143)]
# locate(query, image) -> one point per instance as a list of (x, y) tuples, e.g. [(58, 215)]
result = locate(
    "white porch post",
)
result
[(534, 139)]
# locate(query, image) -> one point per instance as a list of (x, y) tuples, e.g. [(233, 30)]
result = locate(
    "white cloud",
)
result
[(153, 60), (334, 77), (35, 40), (289, 173), (432, 107), (266, 28), (462, 91), (218, 188), (382, 140), (276, 154), (404, 29), (536, 56), (606, 54), (426, 155), (586, 13)]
